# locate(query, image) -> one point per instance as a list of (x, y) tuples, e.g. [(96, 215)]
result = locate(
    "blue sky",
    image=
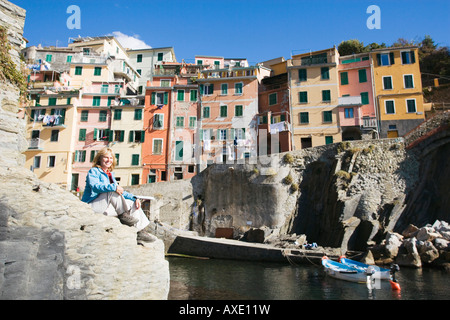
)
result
[(258, 30)]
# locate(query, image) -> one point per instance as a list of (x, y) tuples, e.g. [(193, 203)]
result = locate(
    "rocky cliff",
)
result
[(53, 246)]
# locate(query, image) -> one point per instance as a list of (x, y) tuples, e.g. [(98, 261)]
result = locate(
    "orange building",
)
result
[(170, 123), (155, 148)]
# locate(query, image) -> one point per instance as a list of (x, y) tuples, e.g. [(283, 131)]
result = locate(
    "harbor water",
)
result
[(214, 279)]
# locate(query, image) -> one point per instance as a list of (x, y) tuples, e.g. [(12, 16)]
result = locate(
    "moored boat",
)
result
[(381, 273), (341, 271)]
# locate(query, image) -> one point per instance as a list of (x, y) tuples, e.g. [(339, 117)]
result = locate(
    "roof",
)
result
[(394, 48), (149, 49)]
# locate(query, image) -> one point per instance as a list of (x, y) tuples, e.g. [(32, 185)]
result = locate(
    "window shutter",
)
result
[(143, 136), (95, 134), (391, 58), (121, 135), (379, 59), (110, 133), (166, 97), (232, 134), (153, 99), (63, 116), (131, 136), (362, 75), (211, 88), (82, 135), (344, 78), (413, 57), (364, 97)]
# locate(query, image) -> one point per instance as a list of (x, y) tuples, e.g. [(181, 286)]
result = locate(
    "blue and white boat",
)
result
[(380, 273), (341, 271)]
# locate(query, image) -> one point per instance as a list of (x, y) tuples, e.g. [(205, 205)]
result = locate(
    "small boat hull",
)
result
[(341, 271), (380, 273)]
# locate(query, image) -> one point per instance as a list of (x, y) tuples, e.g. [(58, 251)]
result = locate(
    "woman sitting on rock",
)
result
[(105, 196)]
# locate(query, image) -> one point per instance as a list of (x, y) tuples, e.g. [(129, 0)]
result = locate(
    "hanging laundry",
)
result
[(277, 127), (207, 145)]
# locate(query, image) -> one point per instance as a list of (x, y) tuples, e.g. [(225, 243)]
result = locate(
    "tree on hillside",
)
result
[(348, 47), (355, 46), (402, 42)]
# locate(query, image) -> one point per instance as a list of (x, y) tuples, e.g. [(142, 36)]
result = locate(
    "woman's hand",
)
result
[(137, 203), (119, 190)]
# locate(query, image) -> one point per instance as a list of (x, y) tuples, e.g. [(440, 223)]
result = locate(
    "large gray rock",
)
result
[(393, 243), (53, 246), (411, 258)]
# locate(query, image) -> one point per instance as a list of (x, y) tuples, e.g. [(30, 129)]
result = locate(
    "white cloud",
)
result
[(130, 42)]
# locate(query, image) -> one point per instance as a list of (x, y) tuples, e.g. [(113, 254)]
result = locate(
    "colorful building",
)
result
[(357, 112), (50, 128), (398, 89), (157, 127), (274, 119), (184, 134), (229, 108), (145, 60), (314, 92), (93, 122), (171, 114), (126, 137)]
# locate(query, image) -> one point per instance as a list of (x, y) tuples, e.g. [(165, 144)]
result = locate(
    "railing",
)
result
[(165, 72), (35, 144), (370, 122), (89, 59), (311, 61)]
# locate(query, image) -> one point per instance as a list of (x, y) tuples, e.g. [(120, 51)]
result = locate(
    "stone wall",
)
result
[(52, 245)]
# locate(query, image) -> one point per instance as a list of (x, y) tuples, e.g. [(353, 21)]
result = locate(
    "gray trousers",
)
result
[(112, 204)]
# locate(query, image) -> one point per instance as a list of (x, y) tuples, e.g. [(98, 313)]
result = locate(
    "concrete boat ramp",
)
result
[(221, 248)]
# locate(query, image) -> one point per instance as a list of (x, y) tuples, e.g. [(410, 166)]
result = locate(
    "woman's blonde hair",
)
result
[(103, 152)]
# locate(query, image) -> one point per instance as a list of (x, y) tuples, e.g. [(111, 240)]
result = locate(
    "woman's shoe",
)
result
[(126, 219), (145, 236)]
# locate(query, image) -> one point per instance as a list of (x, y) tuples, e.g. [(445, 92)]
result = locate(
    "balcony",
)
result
[(349, 101), (305, 60), (36, 144), (165, 72), (228, 73), (369, 122), (89, 59)]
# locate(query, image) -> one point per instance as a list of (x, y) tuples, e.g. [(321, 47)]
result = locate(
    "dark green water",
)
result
[(193, 279)]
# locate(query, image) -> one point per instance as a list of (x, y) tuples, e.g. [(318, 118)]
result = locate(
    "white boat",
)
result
[(341, 271), (381, 273)]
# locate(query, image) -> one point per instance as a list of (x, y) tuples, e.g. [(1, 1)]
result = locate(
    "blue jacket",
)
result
[(97, 181)]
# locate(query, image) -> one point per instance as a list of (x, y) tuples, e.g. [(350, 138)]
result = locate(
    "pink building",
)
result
[(357, 116), (93, 123)]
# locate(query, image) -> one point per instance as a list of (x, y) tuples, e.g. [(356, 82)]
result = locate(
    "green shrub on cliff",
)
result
[(288, 158), (288, 179), (8, 69)]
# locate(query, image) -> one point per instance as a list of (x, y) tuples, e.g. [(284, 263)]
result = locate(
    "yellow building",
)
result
[(314, 92), (50, 129), (398, 90)]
